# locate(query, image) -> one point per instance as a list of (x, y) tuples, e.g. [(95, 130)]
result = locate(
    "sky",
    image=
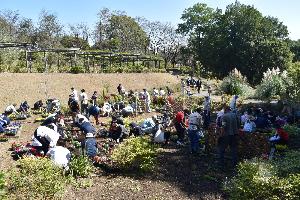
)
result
[(77, 11)]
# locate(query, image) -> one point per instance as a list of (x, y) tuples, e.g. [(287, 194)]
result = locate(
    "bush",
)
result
[(292, 130), (81, 166), (257, 179), (236, 84), (36, 178), (289, 164), (135, 153), (2, 185), (76, 70), (274, 83)]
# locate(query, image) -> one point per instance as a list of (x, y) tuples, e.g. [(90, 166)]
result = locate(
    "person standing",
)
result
[(180, 127), (74, 94), (120, 88), (228, 136), (194, 130), (206, 112), (94, 98), (84, 102), (183, 87), (233, 102), (198, 84), (147, 100)]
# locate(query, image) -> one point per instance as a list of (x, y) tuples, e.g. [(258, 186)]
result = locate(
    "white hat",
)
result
[(89, 135)]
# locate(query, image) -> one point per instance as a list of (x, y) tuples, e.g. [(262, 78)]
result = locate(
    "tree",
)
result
[(241, 38), (49, 30), (68, 41), (295, 48)]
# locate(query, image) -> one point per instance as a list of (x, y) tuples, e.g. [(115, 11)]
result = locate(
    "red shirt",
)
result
[(283, 134), (179, 117)]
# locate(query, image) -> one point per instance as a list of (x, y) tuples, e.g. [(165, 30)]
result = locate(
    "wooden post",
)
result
[(26, 57), (110, 61), (58, 61), (45, 60)]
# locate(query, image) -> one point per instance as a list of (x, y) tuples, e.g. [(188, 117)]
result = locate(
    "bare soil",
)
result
[(178, 174), (16, 88)]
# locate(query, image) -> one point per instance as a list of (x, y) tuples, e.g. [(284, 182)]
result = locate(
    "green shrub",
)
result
[(292, 130), (76, 70), (236, 84), (258, 179), (81, 166), (288, 164), (135, 153), (36, 178), (274, 83), (2, 185)]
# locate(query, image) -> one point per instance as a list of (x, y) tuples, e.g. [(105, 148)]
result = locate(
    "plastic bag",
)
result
[(159, 137)]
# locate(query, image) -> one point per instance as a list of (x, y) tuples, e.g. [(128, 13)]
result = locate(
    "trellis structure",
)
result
[(91, 58)]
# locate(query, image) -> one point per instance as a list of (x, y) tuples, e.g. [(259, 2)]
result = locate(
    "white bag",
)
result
[(159, 137)]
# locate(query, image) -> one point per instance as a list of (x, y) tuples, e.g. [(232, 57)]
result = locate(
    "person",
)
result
[(281, 137), (74, 94), (95, 112), (183, 87), (85, 126), (4, 121), (147, 100), (116, 131), (107, 109), (82, 117), (84, 102), (38, 105), (198, 85), (206, 112), (120, 89), (45, 137), (162, 93), (90, 146), (233, 103), (60, 156), (135, 129), (24, 107), (11, 109), (94, 98), (169, 91), (180, 127), (155, 95), (194, 130), (228, 136), (209, 90), (74, 107), (57, 121)]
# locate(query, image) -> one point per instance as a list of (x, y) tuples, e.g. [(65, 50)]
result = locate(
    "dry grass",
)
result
[(16, 88)]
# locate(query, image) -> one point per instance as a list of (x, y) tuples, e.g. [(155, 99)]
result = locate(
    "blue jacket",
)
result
[(90, 145), (87, 127)]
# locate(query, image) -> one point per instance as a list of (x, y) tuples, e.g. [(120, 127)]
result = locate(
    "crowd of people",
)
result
[(187, 124)]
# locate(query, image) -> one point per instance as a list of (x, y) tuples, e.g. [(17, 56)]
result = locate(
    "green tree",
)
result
[(49, 30), (295, 48), (241, 38), (131, 36)]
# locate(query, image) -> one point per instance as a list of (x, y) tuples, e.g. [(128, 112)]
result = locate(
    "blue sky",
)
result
[(75, 11)]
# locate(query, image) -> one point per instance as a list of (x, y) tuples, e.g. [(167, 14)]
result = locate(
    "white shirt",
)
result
[(10, 108), (147, 96), (75, 94), (155, 93), (59, 155), (107, 108), (195, 121), (162, 93), (84, 98), (79, 116), (51, 135)]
